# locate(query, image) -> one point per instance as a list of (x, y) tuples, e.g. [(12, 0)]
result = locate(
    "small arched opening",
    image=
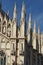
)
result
[(2, 58), (4, 27), (9, 30)]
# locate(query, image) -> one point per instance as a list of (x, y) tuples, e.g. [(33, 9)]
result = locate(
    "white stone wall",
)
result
[(42, 43)]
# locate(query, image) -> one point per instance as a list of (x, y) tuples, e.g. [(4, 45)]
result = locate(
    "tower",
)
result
[(21, 42), (14, 36)]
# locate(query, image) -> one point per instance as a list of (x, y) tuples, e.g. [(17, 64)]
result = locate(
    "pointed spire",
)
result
[(23, 11), (23, 6), (30, 21), (29, 31), (30, 17), (15, 12), (15, 7), (38, 30), (34, 27)]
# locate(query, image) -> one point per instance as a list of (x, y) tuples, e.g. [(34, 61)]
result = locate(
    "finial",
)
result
[(23, 11), (15, 7)]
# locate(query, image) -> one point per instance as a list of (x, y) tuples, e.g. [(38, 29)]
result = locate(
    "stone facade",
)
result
[(16, 46)]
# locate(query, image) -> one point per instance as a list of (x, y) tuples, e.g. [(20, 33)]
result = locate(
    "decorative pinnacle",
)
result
[(23, 6), (34, 26), (38, 30), (15, 7), (30, 21), (30, 17), (14, 14)]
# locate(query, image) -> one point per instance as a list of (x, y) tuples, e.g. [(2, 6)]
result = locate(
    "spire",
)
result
[(38, 30), (30, 21), (34, 36), (23, 11), (34, 27), (29, 31), (23, 7), (15, 11)]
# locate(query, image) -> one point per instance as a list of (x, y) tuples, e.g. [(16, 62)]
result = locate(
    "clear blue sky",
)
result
[(33, 6)]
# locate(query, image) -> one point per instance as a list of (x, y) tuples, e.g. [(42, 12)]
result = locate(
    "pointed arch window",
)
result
[(9, 30), (2, 58), (4, 27)]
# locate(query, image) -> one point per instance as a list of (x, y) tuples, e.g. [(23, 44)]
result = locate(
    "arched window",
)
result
[(0, 25), (4, 27), (9, 30), (2, 58)]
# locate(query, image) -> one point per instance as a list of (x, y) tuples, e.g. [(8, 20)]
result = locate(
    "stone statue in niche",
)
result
[(3, 40), (9, 33)]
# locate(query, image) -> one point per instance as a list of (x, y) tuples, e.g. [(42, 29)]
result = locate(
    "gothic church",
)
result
[(16, 46)]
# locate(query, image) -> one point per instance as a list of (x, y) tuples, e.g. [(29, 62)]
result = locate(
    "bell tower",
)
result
[(21, 43)]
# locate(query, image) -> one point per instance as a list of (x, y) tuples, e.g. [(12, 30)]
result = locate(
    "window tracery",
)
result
[(4, 27)]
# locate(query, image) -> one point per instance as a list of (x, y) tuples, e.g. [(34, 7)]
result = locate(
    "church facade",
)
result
[(16, 46)]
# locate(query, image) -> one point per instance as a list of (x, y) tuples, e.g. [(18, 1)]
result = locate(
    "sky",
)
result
[(35, 7)]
